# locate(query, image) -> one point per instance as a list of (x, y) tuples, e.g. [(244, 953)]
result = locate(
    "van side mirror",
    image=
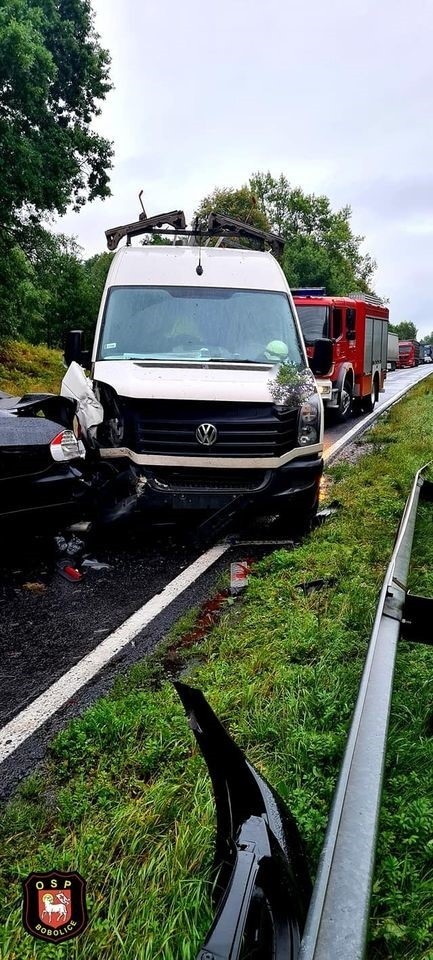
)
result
[(74, 349), (322, 359)]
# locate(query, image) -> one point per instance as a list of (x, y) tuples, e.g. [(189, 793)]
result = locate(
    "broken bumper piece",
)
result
[(262, 888)]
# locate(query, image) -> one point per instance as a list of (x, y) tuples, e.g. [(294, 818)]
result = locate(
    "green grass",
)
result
[(125, 798), (25, 368)]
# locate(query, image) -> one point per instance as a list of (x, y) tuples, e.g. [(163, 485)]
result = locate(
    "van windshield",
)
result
[(206, 323)]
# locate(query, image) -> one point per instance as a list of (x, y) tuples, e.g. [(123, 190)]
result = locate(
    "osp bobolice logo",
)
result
[(54, 907)]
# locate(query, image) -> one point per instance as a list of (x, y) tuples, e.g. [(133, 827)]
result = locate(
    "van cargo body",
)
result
[(185, 363), (358, 328)]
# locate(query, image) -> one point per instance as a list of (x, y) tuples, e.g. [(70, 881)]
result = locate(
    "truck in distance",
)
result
[(392, 351), (358, 328), (409, 354)]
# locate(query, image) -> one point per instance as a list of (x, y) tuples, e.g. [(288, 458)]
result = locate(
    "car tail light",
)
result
[(66, 446)]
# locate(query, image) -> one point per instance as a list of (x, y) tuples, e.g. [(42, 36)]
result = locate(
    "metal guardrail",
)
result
[(336, 927), (262, 889)]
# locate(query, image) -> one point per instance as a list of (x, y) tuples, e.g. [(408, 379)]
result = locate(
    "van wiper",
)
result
[(233, 360)]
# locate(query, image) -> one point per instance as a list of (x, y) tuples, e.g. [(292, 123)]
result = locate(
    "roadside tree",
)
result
[(53, 76), (405, 330), (321, 248)]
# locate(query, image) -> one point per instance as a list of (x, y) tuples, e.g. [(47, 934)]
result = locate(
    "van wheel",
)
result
[(369, 403), (344, 409), (296, 520)]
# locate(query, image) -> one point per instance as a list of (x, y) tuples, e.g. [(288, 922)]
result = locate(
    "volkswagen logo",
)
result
[(206, 434)]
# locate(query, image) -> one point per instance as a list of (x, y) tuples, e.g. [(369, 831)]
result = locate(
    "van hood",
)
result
[(225, 381)]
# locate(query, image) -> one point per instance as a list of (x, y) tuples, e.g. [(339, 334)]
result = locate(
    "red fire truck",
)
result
[(408, 353), (358, 328)]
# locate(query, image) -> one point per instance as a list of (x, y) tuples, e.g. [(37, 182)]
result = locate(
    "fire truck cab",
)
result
[(358, 329)]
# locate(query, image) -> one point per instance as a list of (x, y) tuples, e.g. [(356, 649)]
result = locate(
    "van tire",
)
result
[(297, 519)]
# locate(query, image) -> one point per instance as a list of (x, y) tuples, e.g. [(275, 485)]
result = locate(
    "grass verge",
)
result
[(124, 797), (25, 368)]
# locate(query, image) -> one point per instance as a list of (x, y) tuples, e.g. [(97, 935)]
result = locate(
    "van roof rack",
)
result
[(218, 225)]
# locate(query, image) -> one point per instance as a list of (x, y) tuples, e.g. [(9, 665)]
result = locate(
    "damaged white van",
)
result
[(200, 367)]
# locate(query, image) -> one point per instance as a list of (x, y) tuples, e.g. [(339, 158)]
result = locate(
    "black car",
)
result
[(42, 460)]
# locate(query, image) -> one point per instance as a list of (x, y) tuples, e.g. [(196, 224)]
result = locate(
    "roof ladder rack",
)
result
[(219, 225), (175, 219)]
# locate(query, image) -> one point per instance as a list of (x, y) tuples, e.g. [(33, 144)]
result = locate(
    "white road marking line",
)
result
[(14, 733), (366, 422)]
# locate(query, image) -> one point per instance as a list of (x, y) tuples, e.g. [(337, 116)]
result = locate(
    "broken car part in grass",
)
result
[(262, 884)]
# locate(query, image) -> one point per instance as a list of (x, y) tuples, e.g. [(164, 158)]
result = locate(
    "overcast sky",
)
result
[(336, 95)]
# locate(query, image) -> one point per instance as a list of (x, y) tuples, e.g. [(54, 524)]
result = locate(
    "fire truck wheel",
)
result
[(344, 409), (369, 403)]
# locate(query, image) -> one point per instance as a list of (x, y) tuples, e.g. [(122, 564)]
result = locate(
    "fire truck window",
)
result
[(337, 323), (350, 319), (314, 322)]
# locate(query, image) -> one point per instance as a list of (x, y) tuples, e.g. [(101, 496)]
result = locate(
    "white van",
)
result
[(188, 347)]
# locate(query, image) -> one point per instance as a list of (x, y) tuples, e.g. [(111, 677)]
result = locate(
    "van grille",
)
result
[(244, 430), (227, 481)]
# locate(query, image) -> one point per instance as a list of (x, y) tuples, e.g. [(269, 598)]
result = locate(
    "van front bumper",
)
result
[(165, 489)]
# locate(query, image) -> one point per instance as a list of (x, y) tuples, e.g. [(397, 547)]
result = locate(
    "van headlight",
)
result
[(309, 421)]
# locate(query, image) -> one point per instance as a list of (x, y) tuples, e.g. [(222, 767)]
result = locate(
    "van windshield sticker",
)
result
[(110, 346)]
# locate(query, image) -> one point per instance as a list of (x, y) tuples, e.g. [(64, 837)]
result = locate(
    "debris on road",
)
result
[(69, 572), (239, 573), (90, 563)]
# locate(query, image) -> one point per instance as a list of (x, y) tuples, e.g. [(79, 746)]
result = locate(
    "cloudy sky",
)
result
[(336, 95)]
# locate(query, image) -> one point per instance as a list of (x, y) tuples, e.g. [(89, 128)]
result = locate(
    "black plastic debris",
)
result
[(262, 886), (309, 585)]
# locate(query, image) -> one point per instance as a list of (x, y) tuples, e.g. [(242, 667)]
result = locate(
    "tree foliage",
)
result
[(53, 76), (49, 288), (405, 330), (241, 204), (321, 248)]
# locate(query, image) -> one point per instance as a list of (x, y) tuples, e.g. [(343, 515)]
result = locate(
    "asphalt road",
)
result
[(47, 624), (399, 380)]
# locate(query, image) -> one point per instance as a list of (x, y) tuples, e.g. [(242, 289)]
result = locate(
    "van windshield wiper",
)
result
[(233, 360)]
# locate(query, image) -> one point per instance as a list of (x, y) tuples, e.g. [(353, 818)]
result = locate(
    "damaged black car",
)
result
[(42, 460)]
